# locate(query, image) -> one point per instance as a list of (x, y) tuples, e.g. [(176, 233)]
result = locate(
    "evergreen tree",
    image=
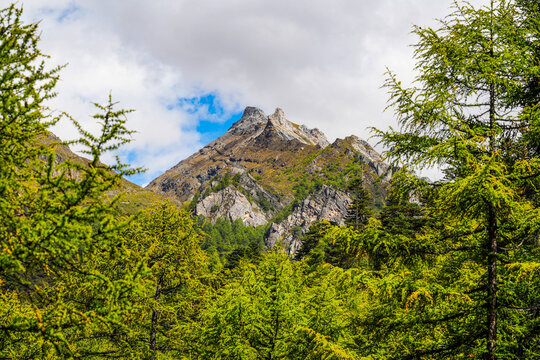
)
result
[(403, 214), (531, 21), (340, 246), (359, 210), (463, 117)]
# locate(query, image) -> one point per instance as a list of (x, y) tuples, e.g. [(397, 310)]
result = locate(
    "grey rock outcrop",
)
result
[(327, 204), (370, 156), (291, 131), (231, 204)]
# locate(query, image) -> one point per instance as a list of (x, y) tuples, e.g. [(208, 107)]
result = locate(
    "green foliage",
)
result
[(250, 252), (56, 224), (264, 204), (164, 243), (400, 216), (225, 237), (464, 117), (274, 310), (359, 210), (530, 93), (333, 174), (455, 277), (327, 243), (284, 213)]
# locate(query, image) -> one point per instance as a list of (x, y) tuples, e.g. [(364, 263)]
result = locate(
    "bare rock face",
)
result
[(327, 204), (290, 131), (370, 156), (232, 204)]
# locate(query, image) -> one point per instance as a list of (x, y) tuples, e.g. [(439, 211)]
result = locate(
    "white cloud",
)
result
[(322, 61)]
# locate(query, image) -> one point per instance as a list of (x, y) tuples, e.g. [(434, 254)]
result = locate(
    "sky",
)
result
[(189, 67)]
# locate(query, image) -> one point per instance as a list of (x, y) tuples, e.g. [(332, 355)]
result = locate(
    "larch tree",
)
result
[(275, 311), (462, 115), (164, 240), (56, 219)]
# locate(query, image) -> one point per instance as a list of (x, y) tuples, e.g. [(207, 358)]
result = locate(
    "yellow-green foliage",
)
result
[(163, 244), (57, 225), (275, 310)]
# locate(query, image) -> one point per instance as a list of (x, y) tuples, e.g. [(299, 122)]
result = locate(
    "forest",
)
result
[(446, 269)]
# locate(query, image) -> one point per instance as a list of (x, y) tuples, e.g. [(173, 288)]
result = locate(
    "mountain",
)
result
[(269, 171)]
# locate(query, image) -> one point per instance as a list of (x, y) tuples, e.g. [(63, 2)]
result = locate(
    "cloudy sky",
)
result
[(189, 67)]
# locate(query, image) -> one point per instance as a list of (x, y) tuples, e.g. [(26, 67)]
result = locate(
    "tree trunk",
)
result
[(153, 328), (492, 236), (492, 283)]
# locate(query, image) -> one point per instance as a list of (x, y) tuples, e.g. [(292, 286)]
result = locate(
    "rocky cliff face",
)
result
[(264, 164), (326, 204), (231, 204)]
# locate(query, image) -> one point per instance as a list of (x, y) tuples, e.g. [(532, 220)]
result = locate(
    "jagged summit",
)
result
[(254, 122), (252, 119), (291, 131)]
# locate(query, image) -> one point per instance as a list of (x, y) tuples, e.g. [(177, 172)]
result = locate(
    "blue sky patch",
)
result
[(210, 130), (212, 120), (67, 12)]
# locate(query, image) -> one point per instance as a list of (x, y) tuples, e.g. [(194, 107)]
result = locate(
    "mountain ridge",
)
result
[(134, 197), (265, 167)]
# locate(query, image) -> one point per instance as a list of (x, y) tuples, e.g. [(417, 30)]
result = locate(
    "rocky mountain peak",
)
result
[(290, 131), (266, 167), (278, 117), (252, 120)]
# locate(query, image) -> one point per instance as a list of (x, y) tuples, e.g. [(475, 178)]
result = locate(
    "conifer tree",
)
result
[(274, 311), (403, 214), (462, 116), (164, 242), (57, 223), (359, 210), (531, 21)]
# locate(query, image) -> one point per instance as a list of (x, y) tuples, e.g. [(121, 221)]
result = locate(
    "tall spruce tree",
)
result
[(463, 116), (359, 211)]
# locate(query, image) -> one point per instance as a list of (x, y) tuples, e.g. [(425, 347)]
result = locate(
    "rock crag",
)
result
[(326, 204)]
